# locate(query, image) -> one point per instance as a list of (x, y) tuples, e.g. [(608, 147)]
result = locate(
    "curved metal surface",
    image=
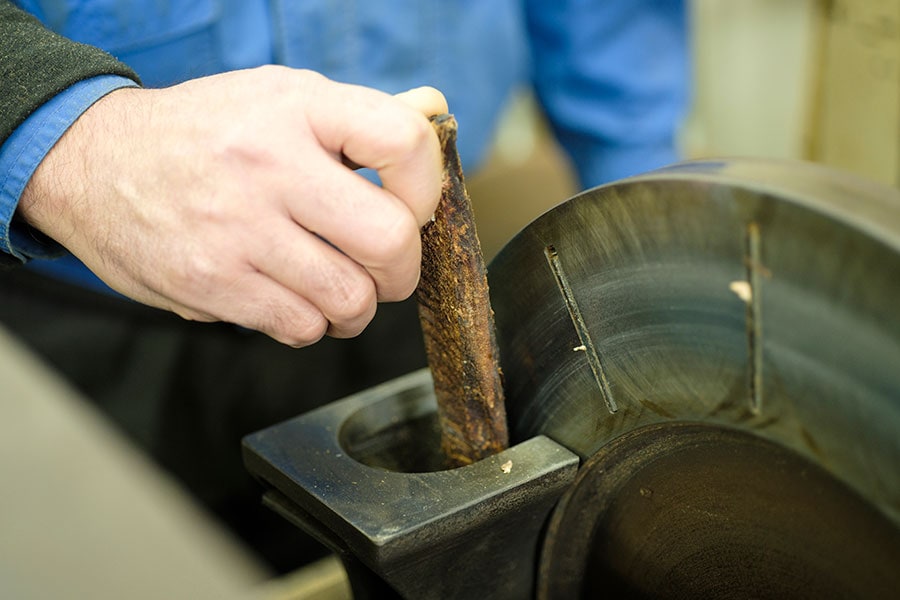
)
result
[(723, 336), (698, 511), (756, 295)]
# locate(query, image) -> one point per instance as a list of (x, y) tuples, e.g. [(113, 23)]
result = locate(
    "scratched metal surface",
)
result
[(748, 293)]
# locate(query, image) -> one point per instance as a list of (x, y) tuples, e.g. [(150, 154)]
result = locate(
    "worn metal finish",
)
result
[(754, 294), (682, 510), (459, 533), (757, 299), (457, 321)]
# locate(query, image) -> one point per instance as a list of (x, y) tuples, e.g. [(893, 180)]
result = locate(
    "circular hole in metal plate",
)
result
[(398, 433)]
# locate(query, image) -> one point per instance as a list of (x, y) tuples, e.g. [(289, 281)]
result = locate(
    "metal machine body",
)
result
[(729, 330)]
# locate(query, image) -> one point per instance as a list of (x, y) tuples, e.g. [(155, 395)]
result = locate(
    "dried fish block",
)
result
[(457, 320)]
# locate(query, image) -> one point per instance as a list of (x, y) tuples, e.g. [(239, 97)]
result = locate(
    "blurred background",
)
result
[(811, 80), (808, 79)]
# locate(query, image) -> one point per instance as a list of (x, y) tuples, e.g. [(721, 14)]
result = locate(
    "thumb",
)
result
[(427, 100)]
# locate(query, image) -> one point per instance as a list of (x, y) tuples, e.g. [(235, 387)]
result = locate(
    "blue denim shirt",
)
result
[(612, 75)]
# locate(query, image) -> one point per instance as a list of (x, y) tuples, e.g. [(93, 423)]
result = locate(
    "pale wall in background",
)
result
[(751, 77), (788, 79), (807, 79)]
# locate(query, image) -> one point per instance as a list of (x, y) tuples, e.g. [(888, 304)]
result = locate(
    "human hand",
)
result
[(225, 198)]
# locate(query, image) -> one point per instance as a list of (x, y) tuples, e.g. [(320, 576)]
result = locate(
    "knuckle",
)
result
[(411, 133), (400, 284), (310, 75), (397, 239), (303, 330), (285, 318), (352, 301), (273, 73), (398, 260), (354, 327), (270, 79), (197, 272), (190, 314), (404, 287), (279, 81)]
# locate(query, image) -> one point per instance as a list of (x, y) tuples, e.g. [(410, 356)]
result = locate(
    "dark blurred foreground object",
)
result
[(703, 395)]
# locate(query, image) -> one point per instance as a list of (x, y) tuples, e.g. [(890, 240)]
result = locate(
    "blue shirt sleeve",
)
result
[(612, 78), (21, 153)]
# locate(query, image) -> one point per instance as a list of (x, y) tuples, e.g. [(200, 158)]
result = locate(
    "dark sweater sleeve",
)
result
[(36, 64)]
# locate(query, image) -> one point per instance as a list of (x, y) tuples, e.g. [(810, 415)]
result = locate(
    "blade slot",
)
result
[(587, 344)]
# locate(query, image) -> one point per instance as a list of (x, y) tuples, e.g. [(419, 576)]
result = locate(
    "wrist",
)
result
[(54, 199)]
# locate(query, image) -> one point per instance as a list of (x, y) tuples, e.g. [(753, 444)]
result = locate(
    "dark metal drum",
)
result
[(702, 370)]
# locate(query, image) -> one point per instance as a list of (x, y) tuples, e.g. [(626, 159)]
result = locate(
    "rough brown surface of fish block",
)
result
[(457, 320)]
